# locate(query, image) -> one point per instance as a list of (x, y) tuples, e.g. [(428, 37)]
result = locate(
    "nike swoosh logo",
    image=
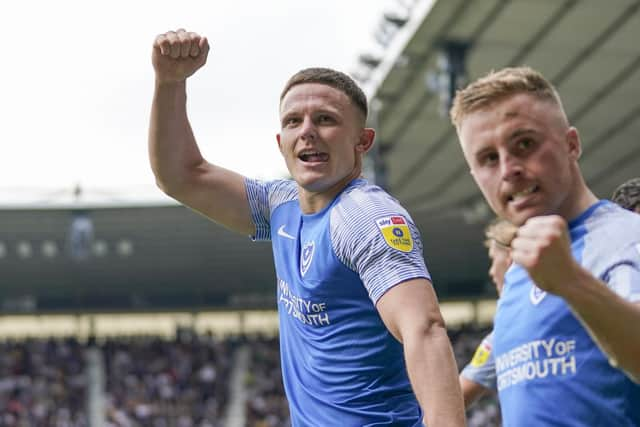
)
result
[(283, 233)]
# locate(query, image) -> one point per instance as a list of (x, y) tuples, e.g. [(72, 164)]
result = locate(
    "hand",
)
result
[(178, 54), (543, 247)]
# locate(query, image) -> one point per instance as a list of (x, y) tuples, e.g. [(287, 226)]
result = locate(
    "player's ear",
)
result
[(367, 135), (573, 143), (279, 143)]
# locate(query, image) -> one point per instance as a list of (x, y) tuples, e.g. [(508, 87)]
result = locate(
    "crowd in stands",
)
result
[(486, 411), (150, 382), (154, 382), (42, 383), (267, 406)]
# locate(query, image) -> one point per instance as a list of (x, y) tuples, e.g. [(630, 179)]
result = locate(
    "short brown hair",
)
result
[(332, 78), (627, 194), (498, 85)]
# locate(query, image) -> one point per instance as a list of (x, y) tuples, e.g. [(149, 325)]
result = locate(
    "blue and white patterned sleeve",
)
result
[(612, 249), (375, 237), (263, 198), (482, 367), (624, 277)]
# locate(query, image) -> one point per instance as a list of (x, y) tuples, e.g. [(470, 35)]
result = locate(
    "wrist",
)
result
[(169, 84), (574, 286)]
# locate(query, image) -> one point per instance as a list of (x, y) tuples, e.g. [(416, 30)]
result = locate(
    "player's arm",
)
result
[(176, 161), (471, 391), (611, 321), (478, 377), (411, 313), (542, 246)]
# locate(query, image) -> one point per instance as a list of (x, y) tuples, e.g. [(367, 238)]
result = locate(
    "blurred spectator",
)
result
[(266, 405), (627, 195), (42, 383), (150, 382), (485, 412)]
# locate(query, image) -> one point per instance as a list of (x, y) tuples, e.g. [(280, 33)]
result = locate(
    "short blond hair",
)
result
[(501, 231), (498, 85)]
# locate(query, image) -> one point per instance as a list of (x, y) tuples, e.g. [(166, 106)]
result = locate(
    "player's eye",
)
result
[(290, 121), (325, 119), (525, 144), (489, 159)]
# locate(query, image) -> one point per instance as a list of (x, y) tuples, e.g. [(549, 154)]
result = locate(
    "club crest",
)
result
[(536, 295), (306, 256)]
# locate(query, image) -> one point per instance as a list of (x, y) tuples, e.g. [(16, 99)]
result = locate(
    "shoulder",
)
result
[(606, 212), (282, 191), (274, 192), (264, 198), (610, 226), (365, 205), (609, 238), (367, 217)]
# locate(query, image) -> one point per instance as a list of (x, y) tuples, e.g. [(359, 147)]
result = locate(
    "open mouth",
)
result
[(522, 194), (313, 156)]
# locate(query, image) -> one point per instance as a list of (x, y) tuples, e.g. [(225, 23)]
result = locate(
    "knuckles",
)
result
[(179, 43)]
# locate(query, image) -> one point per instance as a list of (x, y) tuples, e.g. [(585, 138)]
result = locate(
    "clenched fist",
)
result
[(178, 54), (543, 247)]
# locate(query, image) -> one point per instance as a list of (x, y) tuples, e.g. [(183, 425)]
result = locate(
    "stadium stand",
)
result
[(199, 379), (155, 382)]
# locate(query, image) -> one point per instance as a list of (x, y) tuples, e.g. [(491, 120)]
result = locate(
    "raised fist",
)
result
[(178, 54), (543, 247)]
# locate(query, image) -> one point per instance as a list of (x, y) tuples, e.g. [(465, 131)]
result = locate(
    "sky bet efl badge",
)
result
[(482, 354), (396, 232)]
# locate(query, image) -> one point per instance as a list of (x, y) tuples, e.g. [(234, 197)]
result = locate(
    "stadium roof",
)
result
[(127, 258), (587, 48), (162, 256)]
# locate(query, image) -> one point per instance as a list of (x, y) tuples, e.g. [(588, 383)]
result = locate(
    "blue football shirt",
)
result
[(340, 364), (549, 370)]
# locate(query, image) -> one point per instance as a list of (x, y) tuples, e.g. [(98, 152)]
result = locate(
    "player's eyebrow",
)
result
[(521, 132)]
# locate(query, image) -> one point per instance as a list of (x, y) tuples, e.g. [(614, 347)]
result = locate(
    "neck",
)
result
[(582, 198), (314, 201)]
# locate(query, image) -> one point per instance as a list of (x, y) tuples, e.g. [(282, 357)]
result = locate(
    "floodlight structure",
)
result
[(450, 74), (388, 27), (80, 236), (375, 168)]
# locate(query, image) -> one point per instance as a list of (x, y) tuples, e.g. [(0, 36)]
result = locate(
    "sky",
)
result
[(78, 81)]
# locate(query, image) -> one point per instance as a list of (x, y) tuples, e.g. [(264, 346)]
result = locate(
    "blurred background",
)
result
[(119, 307)]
